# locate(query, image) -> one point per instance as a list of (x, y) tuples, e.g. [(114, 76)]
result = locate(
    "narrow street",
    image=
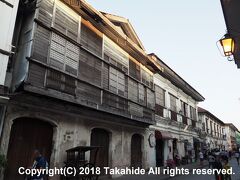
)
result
[(233, 163)]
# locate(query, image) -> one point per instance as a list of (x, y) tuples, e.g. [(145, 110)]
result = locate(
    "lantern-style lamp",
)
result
[(228, 45)]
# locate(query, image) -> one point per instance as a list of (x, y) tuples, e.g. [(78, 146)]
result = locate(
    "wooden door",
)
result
[(136, 151), (159, 152), (26, 136), (100, 137)]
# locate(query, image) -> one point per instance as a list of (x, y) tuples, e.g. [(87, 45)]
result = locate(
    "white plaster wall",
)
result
[(8, 18)]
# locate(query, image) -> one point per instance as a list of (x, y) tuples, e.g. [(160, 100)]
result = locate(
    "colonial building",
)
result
[(177, 128), (81, 77), (214, 130), (231, 131), (78, 77)]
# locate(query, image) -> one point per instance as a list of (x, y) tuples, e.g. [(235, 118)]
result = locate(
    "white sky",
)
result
[(184, 35)]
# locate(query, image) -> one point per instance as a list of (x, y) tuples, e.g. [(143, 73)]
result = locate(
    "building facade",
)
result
[(214, 130), (231, 132), (177, 128), (81, 77)]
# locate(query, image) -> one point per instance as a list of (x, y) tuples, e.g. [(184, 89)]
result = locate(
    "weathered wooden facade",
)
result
[(82, 77), (79, 80)]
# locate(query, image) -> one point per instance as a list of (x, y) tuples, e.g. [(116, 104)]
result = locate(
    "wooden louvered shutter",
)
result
[(57, 51), (41, 44), (45, 11), (115, 55), (54, 79), (141, 94), (134, 69), (133, 90), (90, 68), (117, 82), (160, 95), (91, 40), (67, 22), (105, 76), (150, 99), (147, 78), (72, 58), (59, 22)]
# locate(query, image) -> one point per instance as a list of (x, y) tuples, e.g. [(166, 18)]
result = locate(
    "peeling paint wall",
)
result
[(72, 130)]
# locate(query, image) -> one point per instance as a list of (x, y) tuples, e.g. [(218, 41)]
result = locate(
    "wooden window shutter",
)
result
[(115, 55), (147, 78), (133, 90), (134, 69), (72, 58), (41, 44), (160, 95), (173, 103), (105, 76), (141, 94), (57, 51), (67, 22), (90, 39), (90, 68), (54, 80), (59, 22), (117, 82), (45, 11), (150, 99)]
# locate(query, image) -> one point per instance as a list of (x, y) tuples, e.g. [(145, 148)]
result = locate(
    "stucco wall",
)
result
[(72, 130)]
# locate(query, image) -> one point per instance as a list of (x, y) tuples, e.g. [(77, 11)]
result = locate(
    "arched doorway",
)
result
[(136, 151), (100, 137), (27, 135)]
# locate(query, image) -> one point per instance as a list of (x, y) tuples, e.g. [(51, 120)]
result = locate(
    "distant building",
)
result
[(231, 132), (213, 129)]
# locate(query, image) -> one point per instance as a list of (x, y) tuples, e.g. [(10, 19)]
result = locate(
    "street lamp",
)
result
[(227, 44)]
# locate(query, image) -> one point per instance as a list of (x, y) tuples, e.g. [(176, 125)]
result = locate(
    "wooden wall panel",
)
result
[(41, 44), (36, 75)]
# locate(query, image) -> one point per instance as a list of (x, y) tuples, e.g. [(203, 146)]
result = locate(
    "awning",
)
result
[(163, 135)]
